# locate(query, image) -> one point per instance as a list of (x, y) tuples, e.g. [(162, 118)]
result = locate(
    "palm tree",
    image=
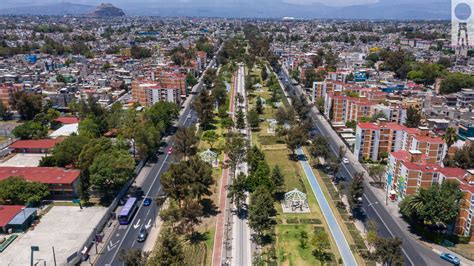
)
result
[(450, 136)]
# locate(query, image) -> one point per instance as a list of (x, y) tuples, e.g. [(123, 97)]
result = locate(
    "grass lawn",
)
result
[(466, 250), (289, 249)]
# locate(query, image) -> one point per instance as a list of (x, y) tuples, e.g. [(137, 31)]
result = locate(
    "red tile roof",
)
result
[(368, 125), (35, 144), (45, 175), (7, 212), (453, 172), (395, 126), (67, 120), (430, 140)]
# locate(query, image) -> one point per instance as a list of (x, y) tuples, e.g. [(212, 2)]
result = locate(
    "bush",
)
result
[(310, 221)]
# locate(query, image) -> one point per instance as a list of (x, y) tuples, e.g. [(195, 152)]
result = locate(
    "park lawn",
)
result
[(289, 250)]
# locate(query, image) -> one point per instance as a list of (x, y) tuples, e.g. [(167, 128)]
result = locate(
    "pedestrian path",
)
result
[(336, 232)]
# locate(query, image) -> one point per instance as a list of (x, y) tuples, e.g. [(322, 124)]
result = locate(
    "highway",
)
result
[(414, 252), (241, 244), (125, 236)]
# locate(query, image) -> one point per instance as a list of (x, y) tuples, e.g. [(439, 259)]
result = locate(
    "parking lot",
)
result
[(64, 227), (24, 160)]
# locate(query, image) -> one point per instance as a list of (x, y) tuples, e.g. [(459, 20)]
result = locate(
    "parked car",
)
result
[(146, 202), (142, 235), (451, 258), (170, 150), (345, 160)]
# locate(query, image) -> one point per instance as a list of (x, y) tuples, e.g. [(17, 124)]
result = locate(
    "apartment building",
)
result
[(408, 171), (465, 98), (463, 225), (375, 140), (148, 93)]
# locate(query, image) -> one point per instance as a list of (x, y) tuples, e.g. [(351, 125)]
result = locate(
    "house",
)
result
[(62, 183), (34, 146)]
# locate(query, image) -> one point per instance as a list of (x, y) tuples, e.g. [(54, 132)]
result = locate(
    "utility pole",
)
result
[(54, 256)]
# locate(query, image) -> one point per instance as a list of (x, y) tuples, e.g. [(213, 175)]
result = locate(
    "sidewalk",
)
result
[(220, 219)]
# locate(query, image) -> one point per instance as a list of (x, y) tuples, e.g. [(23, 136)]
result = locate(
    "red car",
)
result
[(170, 150)]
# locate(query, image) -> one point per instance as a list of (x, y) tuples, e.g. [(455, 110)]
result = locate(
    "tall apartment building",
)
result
[(376, 140), (464, 224), (148, 93), (408, 171)]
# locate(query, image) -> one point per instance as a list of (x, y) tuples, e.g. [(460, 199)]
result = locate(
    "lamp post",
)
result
[(33, 249)]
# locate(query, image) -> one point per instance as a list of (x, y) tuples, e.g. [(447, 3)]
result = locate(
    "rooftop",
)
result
[(45, 175), (35, 144), (7, 212)]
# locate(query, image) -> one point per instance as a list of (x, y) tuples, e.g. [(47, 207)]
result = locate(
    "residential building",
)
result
[(34, 146), (149, 93), (62, 183)]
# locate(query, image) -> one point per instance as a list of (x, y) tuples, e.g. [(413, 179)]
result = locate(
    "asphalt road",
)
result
[(414, 252), (125, 236), (241, 244)]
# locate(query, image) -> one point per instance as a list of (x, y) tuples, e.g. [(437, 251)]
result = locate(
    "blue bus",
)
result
[(128, 211)]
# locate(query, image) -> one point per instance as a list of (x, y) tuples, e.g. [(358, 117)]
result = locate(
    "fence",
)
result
[(77, 256)]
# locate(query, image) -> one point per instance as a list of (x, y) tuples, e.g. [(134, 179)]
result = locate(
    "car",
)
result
[(142, 235), (451, 258), (170, 150), (345, 160), (189, 116), (146, 202)]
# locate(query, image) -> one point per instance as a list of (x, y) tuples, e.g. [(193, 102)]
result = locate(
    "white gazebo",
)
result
[(295, 202), (210, 157), (272, 124)]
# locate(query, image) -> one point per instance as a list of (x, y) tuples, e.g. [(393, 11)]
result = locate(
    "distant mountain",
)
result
[(107, 10), (59, 9)]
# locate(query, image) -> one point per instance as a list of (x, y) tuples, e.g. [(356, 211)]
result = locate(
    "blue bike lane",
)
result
[(336, 231)]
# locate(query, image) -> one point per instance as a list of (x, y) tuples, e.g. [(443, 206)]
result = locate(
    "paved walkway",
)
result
[(220, 219), (336, 232)]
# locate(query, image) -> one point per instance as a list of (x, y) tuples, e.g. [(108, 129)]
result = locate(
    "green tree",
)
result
[(170, 249), (388, 251), (67, 152), (413, 119), (186, 141), (237, 191), (210, 136), (377, 172), (261, 211), (450, 136), (295, 138), (278, 178), (437, 204), (320, 147), (227, 123), (235, 146), (30, 130), (204, 106), (27, 104), (240, 119), (454, 82), (259, 105), (253, 118), (162, 114), (320, 242), (89, 127), (189, 179), (110, 170), (17, 191), (133, 257), (356, 190)]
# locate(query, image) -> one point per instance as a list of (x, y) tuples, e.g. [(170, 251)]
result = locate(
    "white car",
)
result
[(345, 160)]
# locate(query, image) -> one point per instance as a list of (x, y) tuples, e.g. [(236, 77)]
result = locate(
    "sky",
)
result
[(14, 3)]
